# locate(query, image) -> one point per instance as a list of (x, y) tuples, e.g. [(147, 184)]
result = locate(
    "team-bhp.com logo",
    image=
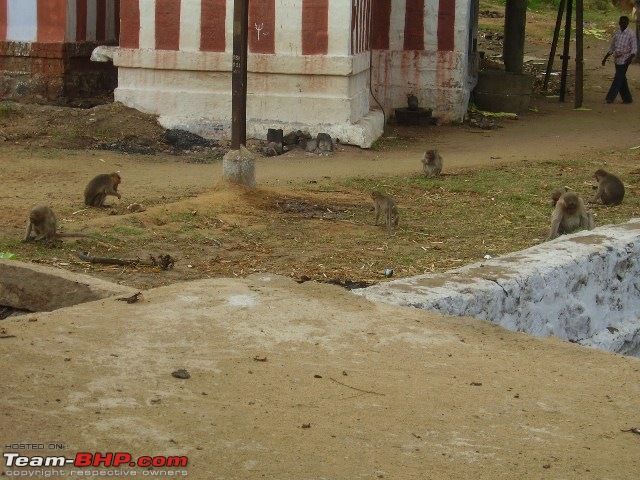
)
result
[(86, 459)]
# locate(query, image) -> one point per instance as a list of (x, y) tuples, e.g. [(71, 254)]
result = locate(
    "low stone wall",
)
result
[(584, 288), (39, 288), (55, 73)]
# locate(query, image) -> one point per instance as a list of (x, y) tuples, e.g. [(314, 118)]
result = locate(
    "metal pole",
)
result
[(579, 55), (239, 74)]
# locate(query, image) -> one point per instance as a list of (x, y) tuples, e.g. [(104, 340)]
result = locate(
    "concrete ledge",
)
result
[(362, 134), (43, 289), (582, 287)]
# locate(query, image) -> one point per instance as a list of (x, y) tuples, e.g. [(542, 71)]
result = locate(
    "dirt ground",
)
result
[(302, 221), (345, 406)]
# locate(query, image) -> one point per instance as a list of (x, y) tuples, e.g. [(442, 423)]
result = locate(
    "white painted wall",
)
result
[(583, 287)]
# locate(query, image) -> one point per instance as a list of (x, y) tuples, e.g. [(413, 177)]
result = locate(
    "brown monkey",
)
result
[(556, 194), (432, 163), (384, 204), (99, 187), (610, 188), (42, 221), (569, 215)]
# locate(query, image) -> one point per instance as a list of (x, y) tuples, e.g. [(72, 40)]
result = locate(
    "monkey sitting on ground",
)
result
[(385, 205), (99, 187), (42, 221), (610, 188), (432, 163), (569, 215)]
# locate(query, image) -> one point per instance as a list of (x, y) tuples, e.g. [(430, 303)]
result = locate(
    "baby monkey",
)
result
[(42, 222), (385, 205), (99, 187), (432, 163)]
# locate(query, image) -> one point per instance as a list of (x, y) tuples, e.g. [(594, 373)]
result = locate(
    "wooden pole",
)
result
[(239, 164), (579, 55), (239, 74), (565, 52), (515, 21), (554, 43)]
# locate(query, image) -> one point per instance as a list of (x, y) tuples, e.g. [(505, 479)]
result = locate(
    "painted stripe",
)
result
[(380, 24), (446, 25), (361, 16), (431, 25), (112, 20), (147, 24), (70, 22), (22, 18), (101, 15), (315, 24), (130, 24), (167, 17), (262, 20), (355, 27), (92, 15), (4, 18), (80, 20), (52, 20), (396, 29), (212, 25), (414, 25), (190, 25), (116, 20), (338, 27), (287, 25)]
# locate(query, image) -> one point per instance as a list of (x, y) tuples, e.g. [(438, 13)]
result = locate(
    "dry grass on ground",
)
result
[(324, 231)]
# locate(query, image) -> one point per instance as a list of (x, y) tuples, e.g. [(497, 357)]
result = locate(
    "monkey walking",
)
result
[(569, 214), (386, 206), (99, 187), (42, 222), (432, 163), (610, 188)]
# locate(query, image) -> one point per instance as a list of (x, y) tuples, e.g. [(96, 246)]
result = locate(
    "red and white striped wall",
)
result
[(275, 26), (59, 21), (307, 27), (313, 64), (414, 24)]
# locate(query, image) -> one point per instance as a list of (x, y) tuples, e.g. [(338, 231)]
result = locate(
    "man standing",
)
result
[(623, 48)]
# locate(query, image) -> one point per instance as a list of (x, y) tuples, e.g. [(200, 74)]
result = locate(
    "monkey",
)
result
[(325, 142), (556, 194), (42, 221), (610, 188), (432, 163), (569, 215), (99, 187), (385, 205)]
